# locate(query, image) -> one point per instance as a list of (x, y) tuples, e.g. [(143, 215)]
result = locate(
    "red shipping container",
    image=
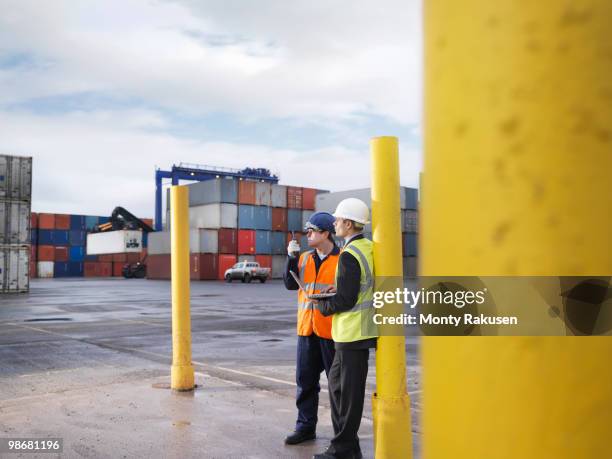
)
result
[(143, 255), (119, 258), (118, 269), (148, 221), (279, 219), (265, 261), (133, 257), (294, 197), (308, 198), (33, 220), (209, 266), (46, 253), (225, 262), (105, 258), (246, 242), (246, 192), (106, 269), (194, 266), (62, 222), (33, 270), (33, 253), (158, 267), (46, 221), (228, 241), (91, 269), (61, 253)]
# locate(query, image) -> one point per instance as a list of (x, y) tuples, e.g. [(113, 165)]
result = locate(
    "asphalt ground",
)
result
[(88, 360)]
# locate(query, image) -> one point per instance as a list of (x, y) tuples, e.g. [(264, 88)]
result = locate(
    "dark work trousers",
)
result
[(314, 355), (347, 381)]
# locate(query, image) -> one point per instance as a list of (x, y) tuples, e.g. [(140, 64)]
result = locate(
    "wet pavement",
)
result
[(91, 354)]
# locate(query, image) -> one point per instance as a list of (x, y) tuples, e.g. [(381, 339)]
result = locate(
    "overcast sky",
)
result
[(102, 92)]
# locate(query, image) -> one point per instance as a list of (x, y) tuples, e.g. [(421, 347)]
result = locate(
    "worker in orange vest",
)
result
[(315, 349)]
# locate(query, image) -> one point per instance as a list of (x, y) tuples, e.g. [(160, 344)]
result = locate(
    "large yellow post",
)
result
[(391, 403), (182, 375), (518, 142)]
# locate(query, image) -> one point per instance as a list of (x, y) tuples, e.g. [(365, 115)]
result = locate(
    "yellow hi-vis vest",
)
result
[(347, 326)]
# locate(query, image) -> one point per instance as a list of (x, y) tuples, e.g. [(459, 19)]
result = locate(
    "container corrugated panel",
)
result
[(15, 269), (77, 237), (33, 270), (410, 267), (119, 257), (247, 258), (62, 222), (159, 243), (279, 244), (61, 269), (61, 253), (246, 192), (45, 237), (213, 216), (410, 221), (246, 217), (106, 269), (44, 269), (34, 236), (46, 221), (208, 242), (33, 220), (278, 266), (118, 269), (33, 253), (212, 192), (91, 222), (77, 222), (61, 237), (15, 219), (412, 198), (46, 253), (16, 177), (294, 197), (308, 198), (263, 218), (209, 266), (228, 241), (279, 219), (114, 242), (306, 214), (76, 254), (262, 194), (278, 195), (246, 241), (75, 268), (410, 244), (294, 220), (265, 261), (263, 242), (225, 262)]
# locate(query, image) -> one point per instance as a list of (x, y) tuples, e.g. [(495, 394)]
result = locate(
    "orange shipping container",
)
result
[(33, 253), (294, 197), (246, 242), (46, 253), (265, 261), (119, 258), (61, 253), (308, 198), (62, 221), (105, 258), (33, 220), (158, 267), (91, 269), (133, 257), (33, 271), (225, 262), (246, 192), (106, 269), (118, 269), (46, 221)]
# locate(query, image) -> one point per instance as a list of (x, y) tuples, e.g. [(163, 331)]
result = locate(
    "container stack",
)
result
[(15, 205), (234, 220), (59, 248), (408, 217)]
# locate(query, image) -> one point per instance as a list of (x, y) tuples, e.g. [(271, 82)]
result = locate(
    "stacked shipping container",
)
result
[(15, 204), (235, 220)]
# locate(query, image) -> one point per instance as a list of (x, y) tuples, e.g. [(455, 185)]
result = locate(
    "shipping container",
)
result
[(77, 237), (105, 258), (34, 236), (279, 243), (410, 244), (16, 178), (327, 202), (278, 195), (246, 192), (225, 262), (91, 222), (33, 269), (46, 253), (306, 214), (61, 237), (114, 242), (247, 258), (209, 266), (133, 257), (60, 269), (265, 261), (294, 197), (119, 258), (263, 242), (246, 217), (410, 267), (91, 269), (412, 198), (44, 269), (228, 241), (33, 220), (246, 241), (207, 241), (213, 191), (279, 219), (262, 194), (118, 268), (308, 198), (278, 266), (61, 254), (158, 267), (15, 269), (294, 220), (15, 219), (77, 254), (410, 221), (200, 241), (46, 221), (33, 253), (77, 223), (159, 243), (62, 222), (75, 268), (106, 269), (213, 216), (45, 237)]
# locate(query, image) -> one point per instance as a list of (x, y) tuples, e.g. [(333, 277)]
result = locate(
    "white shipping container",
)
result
[(214, 216), (200, 241), (262, 194), (16, 177), (124, 241), (45, 269), (278, 196), (248, 258), (278, 266), (15, 266), (15, 222), (208, 241), (327, 202)]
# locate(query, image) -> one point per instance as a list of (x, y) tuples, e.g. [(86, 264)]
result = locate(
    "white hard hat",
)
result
[(353, 209)]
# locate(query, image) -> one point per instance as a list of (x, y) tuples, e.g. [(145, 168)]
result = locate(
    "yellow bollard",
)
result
[(518, 112), (390, 403), (182, 375)]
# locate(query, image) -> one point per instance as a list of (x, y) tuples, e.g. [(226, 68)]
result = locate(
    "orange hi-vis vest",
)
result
[(310, 320)]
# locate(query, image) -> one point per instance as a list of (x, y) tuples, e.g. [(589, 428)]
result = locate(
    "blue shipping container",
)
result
[(77, 222), (45, 237), (279, 243), (60, 269), (91, 222), (294, 219), (61, 237), (145, 239), (410, 244), (263, 218), (77, 238), (34, 236), (246, 217), (77, 253), (102, 220), (75, 269), (263, 242), (412, 198)]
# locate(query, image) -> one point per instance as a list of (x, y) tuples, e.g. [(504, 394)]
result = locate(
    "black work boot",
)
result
[(300, 436)]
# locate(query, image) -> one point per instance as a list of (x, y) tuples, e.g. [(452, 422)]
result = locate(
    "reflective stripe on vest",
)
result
[(347, 326)]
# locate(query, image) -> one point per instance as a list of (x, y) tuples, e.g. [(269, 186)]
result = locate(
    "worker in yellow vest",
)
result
[(350, 308), (315, 349)]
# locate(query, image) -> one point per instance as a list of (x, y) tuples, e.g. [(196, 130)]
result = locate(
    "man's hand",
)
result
[(293, 249), (329, 289)]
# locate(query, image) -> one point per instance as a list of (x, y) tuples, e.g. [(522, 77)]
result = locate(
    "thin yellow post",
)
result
[(518, 113), (391, 403), (182, 375)]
